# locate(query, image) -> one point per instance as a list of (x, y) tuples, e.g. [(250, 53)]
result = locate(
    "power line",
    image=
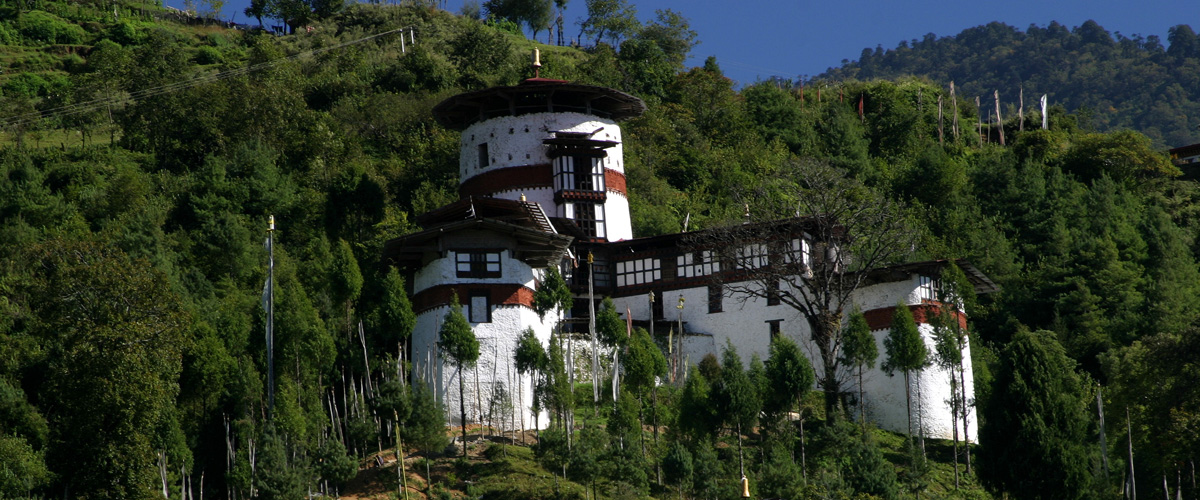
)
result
[(83, 107)]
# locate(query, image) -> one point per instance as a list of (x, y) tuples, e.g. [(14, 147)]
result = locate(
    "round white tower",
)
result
[(554, 142)]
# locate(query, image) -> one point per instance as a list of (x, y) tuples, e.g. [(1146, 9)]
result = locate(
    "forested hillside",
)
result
[(1113, 81), (133, 210)]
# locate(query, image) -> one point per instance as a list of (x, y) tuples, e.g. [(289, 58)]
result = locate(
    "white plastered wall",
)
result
[(497, 341), (744, 324)]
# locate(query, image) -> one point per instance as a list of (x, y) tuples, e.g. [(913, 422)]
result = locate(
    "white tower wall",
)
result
[(516, 141), (497, 345)]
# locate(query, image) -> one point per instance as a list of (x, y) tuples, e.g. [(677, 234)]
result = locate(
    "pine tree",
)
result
[(677, 466), (644, 363)]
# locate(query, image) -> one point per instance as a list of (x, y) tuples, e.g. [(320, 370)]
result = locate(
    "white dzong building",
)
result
[(542, 183), (536, 158)]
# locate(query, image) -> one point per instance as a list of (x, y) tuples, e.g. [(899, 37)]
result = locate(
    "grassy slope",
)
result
[(496, 469)]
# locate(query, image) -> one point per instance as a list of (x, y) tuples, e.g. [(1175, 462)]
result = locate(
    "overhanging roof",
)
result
[(521, 213), (536, 96), (534, 247), (979, 281)]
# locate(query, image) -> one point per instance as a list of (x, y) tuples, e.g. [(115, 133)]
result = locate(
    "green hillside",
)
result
[(141, 153), (1113, 81)]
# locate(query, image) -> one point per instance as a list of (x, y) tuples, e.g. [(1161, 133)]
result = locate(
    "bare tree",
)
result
[(814, 260)]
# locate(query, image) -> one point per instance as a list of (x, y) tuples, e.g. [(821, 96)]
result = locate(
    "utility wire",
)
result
[(83, 107)]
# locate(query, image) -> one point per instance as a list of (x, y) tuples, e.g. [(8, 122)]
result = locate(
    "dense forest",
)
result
[(1112, 81), (143, 151)]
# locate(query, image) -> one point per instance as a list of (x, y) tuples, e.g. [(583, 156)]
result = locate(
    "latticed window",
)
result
[(637, 272), (581, 173), (927, 288), (695, 264), (477, 264), (800, 252), (589, 217), (752, 256)]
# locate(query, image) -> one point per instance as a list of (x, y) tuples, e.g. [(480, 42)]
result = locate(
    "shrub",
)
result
[(45, 27), (207, 55), (8, 35), (126, 33), (73, 63), (504, 25), (25, 84)]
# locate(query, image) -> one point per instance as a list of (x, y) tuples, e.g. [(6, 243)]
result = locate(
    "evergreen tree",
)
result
[(552, 294), (906, 352), (277, 478), (530, 358), (609, 326), (334, 466), (557, 385), (757, 373), (345, 278), (644, 362), (860, 462), (625, 420), (394, 318), (1037, 420), (677, 466), (425, 427), (737, 400), (859, 350), (948, 356), (587, 456), (781, 477), (697, 417), (458, 343), (708, 470), (790, 377)]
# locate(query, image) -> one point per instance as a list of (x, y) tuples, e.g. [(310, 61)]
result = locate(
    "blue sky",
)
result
[(757, 39)]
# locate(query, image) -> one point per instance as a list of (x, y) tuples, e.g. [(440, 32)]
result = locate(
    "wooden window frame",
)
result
[(477, 263)]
